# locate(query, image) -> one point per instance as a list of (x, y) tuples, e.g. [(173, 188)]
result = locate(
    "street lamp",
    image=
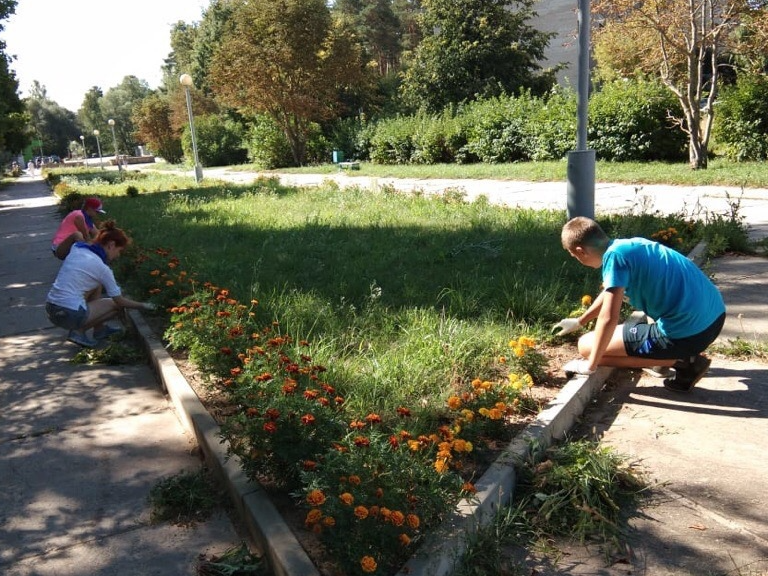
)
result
[(111, 123), (85, 153), (186, 81), (98, 145)]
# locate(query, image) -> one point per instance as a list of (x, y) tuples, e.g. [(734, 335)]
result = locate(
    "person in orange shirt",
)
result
[(77, 226)]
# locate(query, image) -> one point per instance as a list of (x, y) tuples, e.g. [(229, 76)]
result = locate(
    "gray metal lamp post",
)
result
[(111, 123), (85, 152), (186, 81), (98, 146), (581, 162)]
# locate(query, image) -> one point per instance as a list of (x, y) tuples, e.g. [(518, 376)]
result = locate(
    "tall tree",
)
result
[(683, 42), (154, 126), (55, 126), (378, 29), (13, 122), (289, 60), (118, 104), (475, 49)]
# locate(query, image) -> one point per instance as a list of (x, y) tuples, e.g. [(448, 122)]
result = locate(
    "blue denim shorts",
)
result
[(66, 317), (645, 340)]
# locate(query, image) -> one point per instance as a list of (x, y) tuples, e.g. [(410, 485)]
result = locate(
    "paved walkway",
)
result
[(80, 446)]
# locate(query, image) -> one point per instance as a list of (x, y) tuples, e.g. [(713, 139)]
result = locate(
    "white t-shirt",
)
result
[(81, 272)]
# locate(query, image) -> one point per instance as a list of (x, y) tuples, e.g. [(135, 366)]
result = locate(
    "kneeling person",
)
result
[(75, 301), (688, 308)]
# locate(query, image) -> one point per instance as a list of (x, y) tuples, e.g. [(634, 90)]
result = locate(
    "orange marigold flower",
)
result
[(403, 412), (309, 465), (373, 511), (155, 291), (169, 282), (357, 424), (225, 350), (469, 487), (385, 512), (316, 498), (347, 498), (235, 371), (586, 300), (251, 412), (361, 512), (413, 521), (368, 564), (289, 388), (362, 442), (404, 539), (308, 419), (393, 441), (441, 466), (379, 493), (373, 418), (311, 394), (329, 521), (273, 413), (155, 273), (270, 427), (397, 518), (354, 480), (313, 517), (454, 402)]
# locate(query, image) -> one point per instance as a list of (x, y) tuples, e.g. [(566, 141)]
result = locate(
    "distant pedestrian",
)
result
[(31, 168), (77, 226), (75, 300), (687, 307)]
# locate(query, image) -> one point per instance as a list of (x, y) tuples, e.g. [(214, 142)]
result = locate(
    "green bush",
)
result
[(628, 120), (267, 146), (496, 129), (219, 141), (392, 140), (552, 126), (741, 120)]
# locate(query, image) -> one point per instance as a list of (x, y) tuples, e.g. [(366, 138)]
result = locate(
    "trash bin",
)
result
[(338, 156)]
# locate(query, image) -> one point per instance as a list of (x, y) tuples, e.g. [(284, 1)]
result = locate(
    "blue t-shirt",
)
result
[(664, 284)]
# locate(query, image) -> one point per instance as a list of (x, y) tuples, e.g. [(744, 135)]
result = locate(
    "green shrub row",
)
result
[(628, 120)]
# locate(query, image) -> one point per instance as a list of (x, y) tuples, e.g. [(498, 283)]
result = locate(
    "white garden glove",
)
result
[(567, 325), (578, 366), (149, 306)]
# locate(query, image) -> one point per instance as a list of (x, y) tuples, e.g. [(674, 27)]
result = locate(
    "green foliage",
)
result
[(185, 498), (741, 119), (268, 148), (219, 141), (476, 49), (628, 120), (236, 561), (131, 191)]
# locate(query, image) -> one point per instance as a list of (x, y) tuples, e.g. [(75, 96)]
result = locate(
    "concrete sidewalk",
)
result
[(80, 446)]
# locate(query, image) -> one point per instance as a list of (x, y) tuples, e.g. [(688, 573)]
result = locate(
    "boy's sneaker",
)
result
[(687, 374), (81, 339), (658, 371), (106, 332)]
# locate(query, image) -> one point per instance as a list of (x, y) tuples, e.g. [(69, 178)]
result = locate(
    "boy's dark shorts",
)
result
[(645, 340), (66, 317)]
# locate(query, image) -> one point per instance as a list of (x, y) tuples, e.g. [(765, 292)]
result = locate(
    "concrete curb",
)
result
[(439, 554)]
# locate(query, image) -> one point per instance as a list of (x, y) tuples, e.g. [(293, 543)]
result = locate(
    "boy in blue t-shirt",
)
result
[(687, 307)]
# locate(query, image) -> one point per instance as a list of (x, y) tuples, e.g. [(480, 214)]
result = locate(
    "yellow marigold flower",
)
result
[(502, 359), (441, 466), (460, 445), (361, 512), (454, 402), (527, 342), (512, 344), (515, 382), (586, 300), (519, 351), (404, 539), (313, 517), (316, 498), (528, 381), (347, 498), (468, 415), (413, 521), (476, 382), (368, 564), (414, 445), (483, 412)]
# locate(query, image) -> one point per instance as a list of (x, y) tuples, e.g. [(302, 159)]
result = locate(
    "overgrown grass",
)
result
[(184, 498)]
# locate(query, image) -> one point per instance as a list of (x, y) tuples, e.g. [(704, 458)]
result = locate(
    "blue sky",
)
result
[(69, 46)]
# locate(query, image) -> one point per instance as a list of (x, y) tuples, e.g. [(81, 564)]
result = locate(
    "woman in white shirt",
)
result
[(85, 294)]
